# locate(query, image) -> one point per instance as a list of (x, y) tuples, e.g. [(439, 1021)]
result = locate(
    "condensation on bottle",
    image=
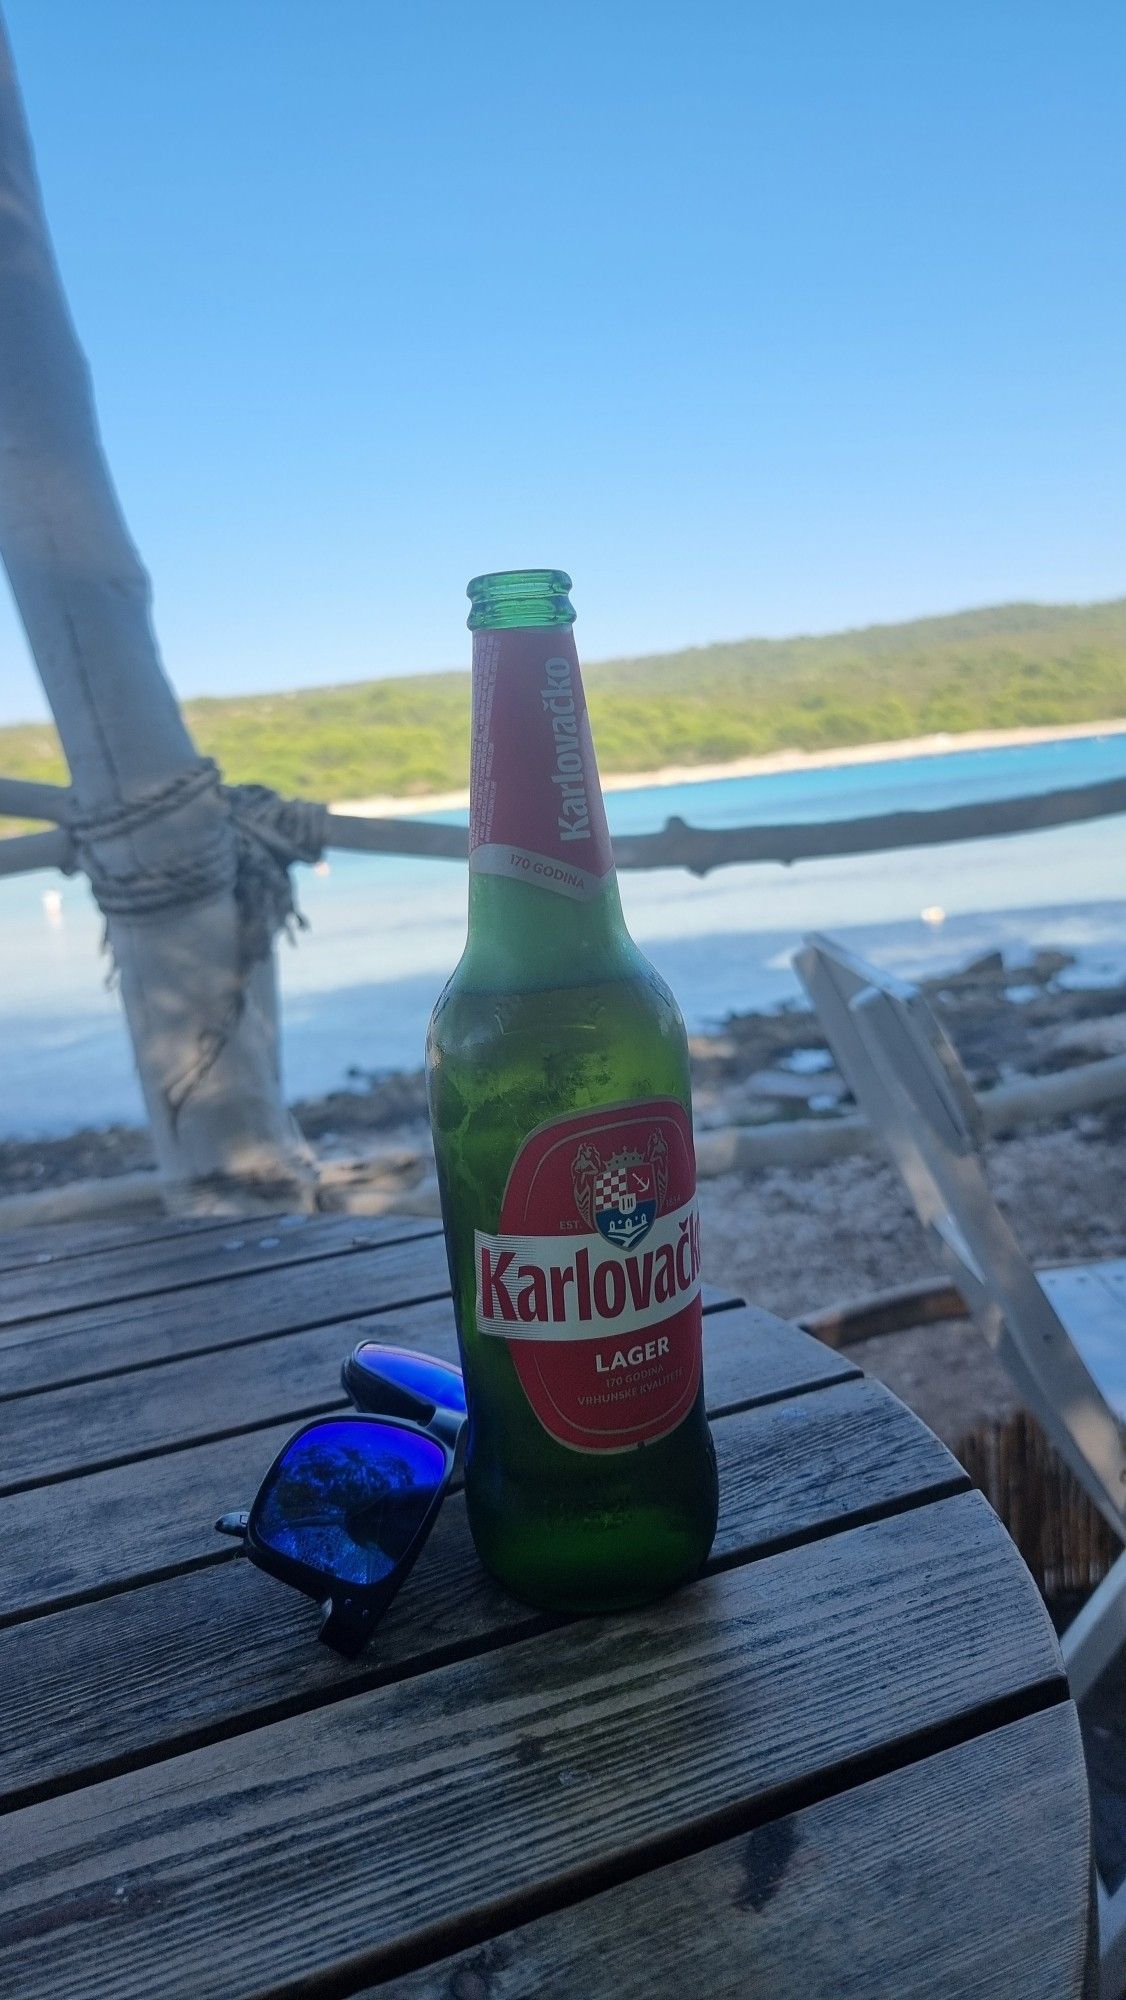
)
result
[(560, 1100)]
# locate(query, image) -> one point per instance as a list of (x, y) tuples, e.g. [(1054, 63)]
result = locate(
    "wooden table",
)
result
[(843, 1763)]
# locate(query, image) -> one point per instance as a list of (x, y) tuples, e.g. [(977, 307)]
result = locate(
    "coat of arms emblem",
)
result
[(621, 1197)]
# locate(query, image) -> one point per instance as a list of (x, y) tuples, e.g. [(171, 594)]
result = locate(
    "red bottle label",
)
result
[(594, 1275), (537, 813)]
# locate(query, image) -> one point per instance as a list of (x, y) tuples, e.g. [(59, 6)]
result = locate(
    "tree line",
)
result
[(1011, 666)]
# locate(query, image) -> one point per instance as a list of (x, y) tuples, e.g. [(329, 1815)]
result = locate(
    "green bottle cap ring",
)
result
[(509, 598)]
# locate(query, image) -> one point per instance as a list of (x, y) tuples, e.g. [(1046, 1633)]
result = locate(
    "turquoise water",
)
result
[(358, 987)]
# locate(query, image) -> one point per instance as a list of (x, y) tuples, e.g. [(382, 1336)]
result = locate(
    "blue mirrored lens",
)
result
[(349, 1497), (437, 1382)]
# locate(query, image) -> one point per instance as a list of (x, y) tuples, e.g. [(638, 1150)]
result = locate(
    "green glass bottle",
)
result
[(560, 1106)]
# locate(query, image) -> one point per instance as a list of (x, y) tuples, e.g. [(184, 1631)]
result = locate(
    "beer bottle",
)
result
[(560, 1104)]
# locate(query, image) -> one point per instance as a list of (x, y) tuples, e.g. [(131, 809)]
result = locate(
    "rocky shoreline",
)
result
[(798, 1240), (758, 1069)]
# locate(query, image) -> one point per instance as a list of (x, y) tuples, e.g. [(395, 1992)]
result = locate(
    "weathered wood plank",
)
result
[(963, 1877), (107, 1421), (103, 1277), (75, 1346), (220, 1648), (385, 1822), (92, 1531), (115, 1528), (58, 1242), (751, 1357), (285, 1379)]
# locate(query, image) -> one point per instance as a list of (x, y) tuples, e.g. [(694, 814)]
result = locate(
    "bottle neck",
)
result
[(521, 940), (544, 907)]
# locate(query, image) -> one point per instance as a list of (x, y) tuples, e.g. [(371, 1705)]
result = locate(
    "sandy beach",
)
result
[(386, 805)]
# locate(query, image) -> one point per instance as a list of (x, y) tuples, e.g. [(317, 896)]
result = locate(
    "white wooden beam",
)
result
[(205, 1031)]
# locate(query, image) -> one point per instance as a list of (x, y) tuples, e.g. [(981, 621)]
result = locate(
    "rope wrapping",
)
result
[(123, 816), (269, 834)]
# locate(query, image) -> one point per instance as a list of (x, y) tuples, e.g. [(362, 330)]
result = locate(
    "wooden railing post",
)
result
[(203, 1022)]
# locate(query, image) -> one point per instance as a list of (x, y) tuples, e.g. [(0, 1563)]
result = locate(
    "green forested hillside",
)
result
[(995, 669)]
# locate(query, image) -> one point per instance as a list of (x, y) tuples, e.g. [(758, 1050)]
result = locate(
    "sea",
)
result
[(383, 932)]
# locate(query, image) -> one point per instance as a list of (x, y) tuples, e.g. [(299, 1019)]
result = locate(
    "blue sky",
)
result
[(759, 318)]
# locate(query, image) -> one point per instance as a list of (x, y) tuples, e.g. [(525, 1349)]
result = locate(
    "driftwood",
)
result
[(678, 845), (202, 1010), (810, 1142), (25, 853), (24, 800), (360, 1186), (700, 849)]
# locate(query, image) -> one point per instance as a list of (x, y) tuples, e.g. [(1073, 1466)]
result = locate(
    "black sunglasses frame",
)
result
[(351, 1610), (378, 1395)]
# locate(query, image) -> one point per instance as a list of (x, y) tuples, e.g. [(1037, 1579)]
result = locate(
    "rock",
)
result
[(1094, 1039), (807, 1062), (782, 1084), (989, 970)]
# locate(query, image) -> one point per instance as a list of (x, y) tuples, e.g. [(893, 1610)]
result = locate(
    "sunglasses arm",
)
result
[(233, 1524)]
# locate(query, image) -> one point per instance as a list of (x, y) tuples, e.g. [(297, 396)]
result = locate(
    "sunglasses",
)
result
[(349, 1501)]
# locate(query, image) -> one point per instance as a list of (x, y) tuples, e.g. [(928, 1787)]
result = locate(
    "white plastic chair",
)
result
[(1060, 1334)]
